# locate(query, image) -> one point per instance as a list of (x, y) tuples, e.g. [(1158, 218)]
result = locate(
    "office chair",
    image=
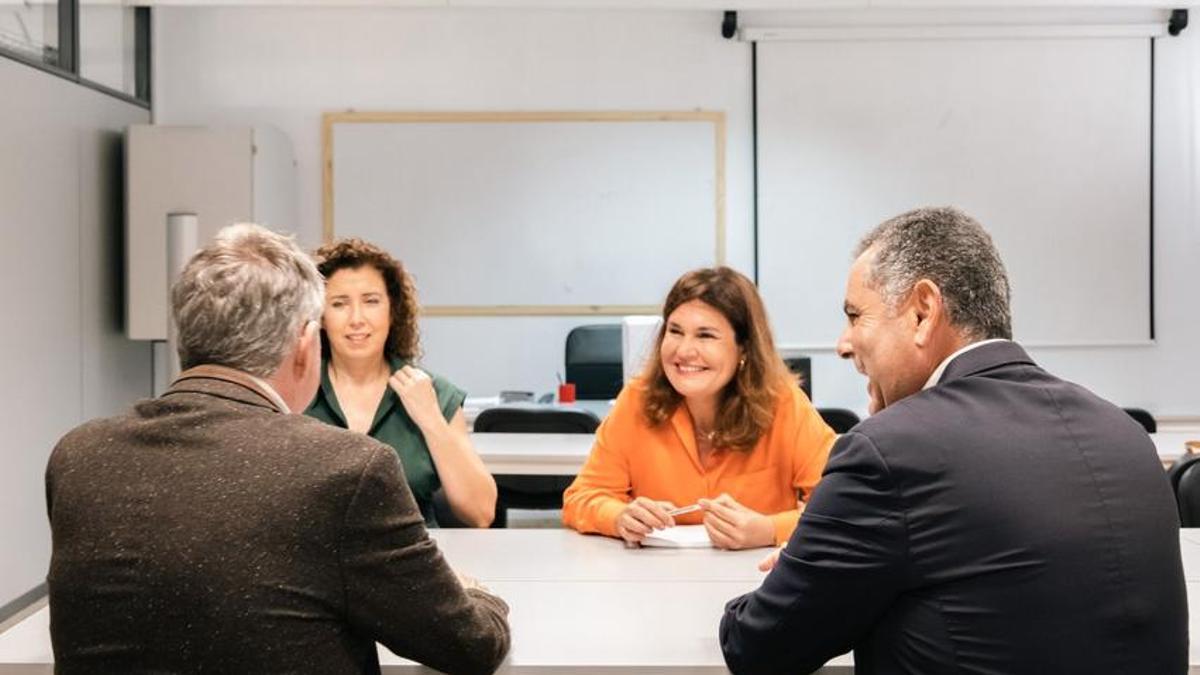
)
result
[(801, 367), (593, 361), (1143, 418), (840, 419), (1184, 477), (529, 491)]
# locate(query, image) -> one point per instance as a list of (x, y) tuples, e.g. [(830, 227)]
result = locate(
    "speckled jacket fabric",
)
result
[(206, 531)]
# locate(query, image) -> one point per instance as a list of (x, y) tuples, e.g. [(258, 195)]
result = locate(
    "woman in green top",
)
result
[(369, 340)]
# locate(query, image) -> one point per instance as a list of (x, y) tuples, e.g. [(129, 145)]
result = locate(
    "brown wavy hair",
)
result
[(747, 405), (403, 340)]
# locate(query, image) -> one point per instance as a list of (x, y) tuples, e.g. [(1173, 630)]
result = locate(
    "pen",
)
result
[(683, 509)]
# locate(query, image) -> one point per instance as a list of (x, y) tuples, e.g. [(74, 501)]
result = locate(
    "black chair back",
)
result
[(532, 420), (532, 491), (1184, 476), (1143, 418), (840, 419), (801, 367), (593, 361)]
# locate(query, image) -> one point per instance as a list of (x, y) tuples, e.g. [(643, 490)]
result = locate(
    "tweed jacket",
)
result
[(205, 530)]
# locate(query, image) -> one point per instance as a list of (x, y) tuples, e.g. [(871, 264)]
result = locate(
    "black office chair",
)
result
[(1184, 476), (532, 491), (801, 367), (840, 419), (1143, 418), (593, 361)]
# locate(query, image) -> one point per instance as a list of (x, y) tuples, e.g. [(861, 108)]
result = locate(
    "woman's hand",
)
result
[(641, 516), (733, 526), (415, 389)]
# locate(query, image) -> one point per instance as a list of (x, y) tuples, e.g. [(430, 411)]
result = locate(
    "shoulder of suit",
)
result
[(91, 432), (311, 431), (920, 414)]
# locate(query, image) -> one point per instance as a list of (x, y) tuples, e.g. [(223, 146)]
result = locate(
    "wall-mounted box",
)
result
[(223, 176)]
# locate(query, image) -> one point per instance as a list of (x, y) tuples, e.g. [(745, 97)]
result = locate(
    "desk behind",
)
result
[(564, 454)]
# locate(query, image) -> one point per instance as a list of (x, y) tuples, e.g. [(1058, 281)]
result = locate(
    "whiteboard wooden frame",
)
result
[(716, 118)]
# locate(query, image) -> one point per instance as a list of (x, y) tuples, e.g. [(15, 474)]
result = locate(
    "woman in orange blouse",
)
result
[(717, 420)]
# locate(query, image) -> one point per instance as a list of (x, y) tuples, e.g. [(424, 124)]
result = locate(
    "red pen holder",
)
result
[(566, 392)]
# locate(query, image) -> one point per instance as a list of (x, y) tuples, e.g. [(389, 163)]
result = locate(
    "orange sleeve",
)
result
[(785, 522), (811, 441), (603, 487), (814, 439)]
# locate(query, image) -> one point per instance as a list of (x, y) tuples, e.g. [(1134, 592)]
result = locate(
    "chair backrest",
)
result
[(801, 367), (532, 492), (840, 419), (1143, 418), (1184, 476), (593, 361), (534, 420)]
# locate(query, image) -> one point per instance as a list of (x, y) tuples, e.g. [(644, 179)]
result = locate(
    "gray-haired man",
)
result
[(990, 518), (210, 530)]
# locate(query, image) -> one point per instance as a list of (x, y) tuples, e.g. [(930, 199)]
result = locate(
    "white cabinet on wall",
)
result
[(224, 176)]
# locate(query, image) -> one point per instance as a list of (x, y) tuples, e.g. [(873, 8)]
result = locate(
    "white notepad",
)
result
[(680, 536)]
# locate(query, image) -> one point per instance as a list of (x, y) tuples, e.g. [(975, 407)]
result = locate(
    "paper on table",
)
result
[(680, 536)]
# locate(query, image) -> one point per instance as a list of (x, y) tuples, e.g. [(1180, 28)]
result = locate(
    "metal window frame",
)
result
[(67, 66)]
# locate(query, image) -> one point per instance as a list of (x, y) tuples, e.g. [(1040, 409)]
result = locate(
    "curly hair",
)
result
[(747, 406), (403, 340)]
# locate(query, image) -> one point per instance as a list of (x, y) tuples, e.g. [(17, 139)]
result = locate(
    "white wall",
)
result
[(63, 353), (287, 66)]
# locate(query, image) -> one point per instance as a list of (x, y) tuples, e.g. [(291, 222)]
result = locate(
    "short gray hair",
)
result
[(951, 249), (242, 301)]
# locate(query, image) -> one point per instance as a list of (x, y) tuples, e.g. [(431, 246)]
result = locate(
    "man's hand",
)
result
[(469, 582), (768, 563), (876, 403)]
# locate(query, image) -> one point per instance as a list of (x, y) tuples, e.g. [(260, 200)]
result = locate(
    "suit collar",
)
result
[(936, 376), (985, 357), (229, 383)]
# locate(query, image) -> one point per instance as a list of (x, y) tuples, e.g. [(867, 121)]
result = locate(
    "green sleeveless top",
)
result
[(393, 426)]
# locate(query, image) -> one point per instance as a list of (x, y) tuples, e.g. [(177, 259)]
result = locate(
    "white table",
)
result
[(564, 454), (542, 454), (655, 610)]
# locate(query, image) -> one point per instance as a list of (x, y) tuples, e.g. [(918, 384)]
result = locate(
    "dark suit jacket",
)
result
[(206, 531), (1004, 521)]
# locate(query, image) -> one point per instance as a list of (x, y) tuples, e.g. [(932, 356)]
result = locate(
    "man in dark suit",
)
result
[(988, 517), (210, 530)]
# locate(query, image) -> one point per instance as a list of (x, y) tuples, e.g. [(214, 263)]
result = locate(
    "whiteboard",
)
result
[(1045, 141), (532, 213)]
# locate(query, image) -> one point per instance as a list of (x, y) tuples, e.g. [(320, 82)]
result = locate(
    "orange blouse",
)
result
[(631, 459)]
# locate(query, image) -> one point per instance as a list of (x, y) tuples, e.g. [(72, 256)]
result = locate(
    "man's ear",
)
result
[(929, 310), (305, 353)]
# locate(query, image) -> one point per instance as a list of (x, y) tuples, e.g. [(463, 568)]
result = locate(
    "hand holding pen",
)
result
[(641, 516), (644, 515)]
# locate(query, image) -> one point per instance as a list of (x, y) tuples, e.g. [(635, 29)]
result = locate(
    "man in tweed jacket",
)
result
[(211, 530)]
